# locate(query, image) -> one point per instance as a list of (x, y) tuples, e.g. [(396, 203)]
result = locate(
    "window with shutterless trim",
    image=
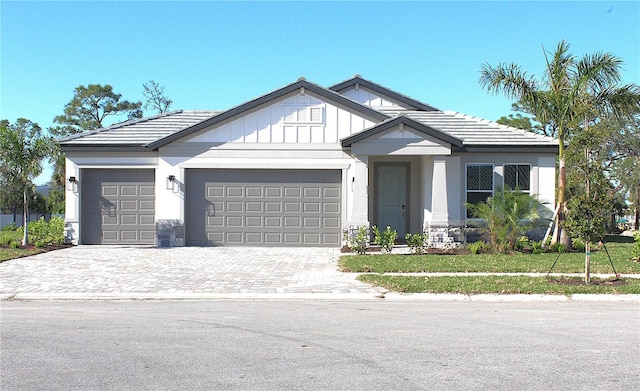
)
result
[(479, 183), (517, 176)]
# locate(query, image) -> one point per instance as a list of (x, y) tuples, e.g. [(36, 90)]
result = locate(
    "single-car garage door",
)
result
[(118, 206), (263, 207)]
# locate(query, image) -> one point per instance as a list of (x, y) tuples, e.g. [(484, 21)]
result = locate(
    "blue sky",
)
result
[(216, 55)]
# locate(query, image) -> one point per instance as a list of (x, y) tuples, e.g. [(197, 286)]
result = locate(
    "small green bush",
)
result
[(557, 248), (385, 239), (578, 244), (8, 237), (522, 243), (44, 233), (14, 244), (475, 247), (358, 240), (536, 247), (416, 242), (10, 227)]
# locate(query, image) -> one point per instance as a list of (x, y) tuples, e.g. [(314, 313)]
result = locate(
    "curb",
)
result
[(389, 296)]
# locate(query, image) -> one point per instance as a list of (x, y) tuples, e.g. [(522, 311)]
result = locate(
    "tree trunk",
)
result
[(25, 214), (587, 262), (637, 216)]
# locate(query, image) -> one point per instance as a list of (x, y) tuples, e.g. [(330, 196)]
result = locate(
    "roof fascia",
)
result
[(509, 148), (340, 100), (392, 123), (382, 90), (103, 147)]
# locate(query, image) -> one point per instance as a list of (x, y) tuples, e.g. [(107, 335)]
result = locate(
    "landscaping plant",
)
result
[(506, 216), (358, 240), (416, 242), (385, 239)]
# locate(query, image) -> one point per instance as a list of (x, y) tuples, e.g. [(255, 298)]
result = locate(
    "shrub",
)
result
[(557, 248), (385, 239), (578, 244), (416, 242), (536, 247), (358, 240), (506, 216), (475, 247), (10, 239), (10, 227), (523, 243), (43, 233)]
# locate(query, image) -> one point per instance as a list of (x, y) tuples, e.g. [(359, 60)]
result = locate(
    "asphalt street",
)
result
[(319, 345)]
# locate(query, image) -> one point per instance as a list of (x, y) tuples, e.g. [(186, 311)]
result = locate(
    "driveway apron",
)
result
[(85, 272)]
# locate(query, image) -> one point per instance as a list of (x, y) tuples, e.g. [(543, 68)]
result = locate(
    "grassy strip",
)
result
[(499, 285), (493, 263), (13, 253)]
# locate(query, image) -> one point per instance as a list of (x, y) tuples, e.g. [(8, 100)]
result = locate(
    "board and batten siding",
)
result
[(299, 119), (368, 98)]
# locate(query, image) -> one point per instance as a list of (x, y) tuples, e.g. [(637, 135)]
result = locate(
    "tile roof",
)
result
[(151, 132), (139, 132), (475, 131)]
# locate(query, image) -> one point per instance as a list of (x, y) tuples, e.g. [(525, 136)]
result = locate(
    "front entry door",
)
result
[(392, 198)]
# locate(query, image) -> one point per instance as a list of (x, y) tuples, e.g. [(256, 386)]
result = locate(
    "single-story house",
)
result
[(299, 166)]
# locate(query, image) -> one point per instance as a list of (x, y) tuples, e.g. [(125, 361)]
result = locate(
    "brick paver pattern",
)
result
[(191, 270)]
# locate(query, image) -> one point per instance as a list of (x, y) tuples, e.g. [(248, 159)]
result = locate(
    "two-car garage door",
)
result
[(263, 207), (222, 207)]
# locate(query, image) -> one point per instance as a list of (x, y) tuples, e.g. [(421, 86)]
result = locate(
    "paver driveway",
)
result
[(85, 272)]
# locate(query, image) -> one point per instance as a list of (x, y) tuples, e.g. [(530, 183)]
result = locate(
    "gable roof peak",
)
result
[(357, 82)]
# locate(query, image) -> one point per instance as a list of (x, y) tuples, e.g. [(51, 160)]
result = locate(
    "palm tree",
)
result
[(570, 92), (22, 150)]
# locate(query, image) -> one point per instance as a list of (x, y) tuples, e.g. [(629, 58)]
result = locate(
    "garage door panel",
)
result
[(273, 221), (263, 207), (131, 190), (118, 206)]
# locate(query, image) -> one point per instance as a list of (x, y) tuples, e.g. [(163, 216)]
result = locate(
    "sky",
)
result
[(214, 55)]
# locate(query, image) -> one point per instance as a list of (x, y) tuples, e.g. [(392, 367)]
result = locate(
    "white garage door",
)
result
[(263, 207)]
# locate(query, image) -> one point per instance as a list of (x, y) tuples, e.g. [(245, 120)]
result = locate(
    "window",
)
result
[(517, 176), (479, 183)]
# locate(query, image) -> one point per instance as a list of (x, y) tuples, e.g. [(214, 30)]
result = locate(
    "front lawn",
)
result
[(470, 285), (492, 263), (7, 253)]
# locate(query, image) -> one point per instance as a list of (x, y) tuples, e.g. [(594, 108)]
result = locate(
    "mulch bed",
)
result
[(575, 282)]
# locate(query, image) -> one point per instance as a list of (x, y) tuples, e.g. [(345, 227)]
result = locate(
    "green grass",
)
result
[(498, 285), (491, 263), (13, 253)]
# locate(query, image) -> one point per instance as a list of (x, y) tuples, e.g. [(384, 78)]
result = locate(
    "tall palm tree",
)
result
[(571, 91)]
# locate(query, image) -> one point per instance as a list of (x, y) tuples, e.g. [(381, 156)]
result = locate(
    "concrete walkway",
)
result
[(149, 273)]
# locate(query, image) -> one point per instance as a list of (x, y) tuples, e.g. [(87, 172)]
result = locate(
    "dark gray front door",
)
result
[(263, 207), (118, 206)]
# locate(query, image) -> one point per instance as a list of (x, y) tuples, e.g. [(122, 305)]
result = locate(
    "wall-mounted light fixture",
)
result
[(171, 180), (73, 184)]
